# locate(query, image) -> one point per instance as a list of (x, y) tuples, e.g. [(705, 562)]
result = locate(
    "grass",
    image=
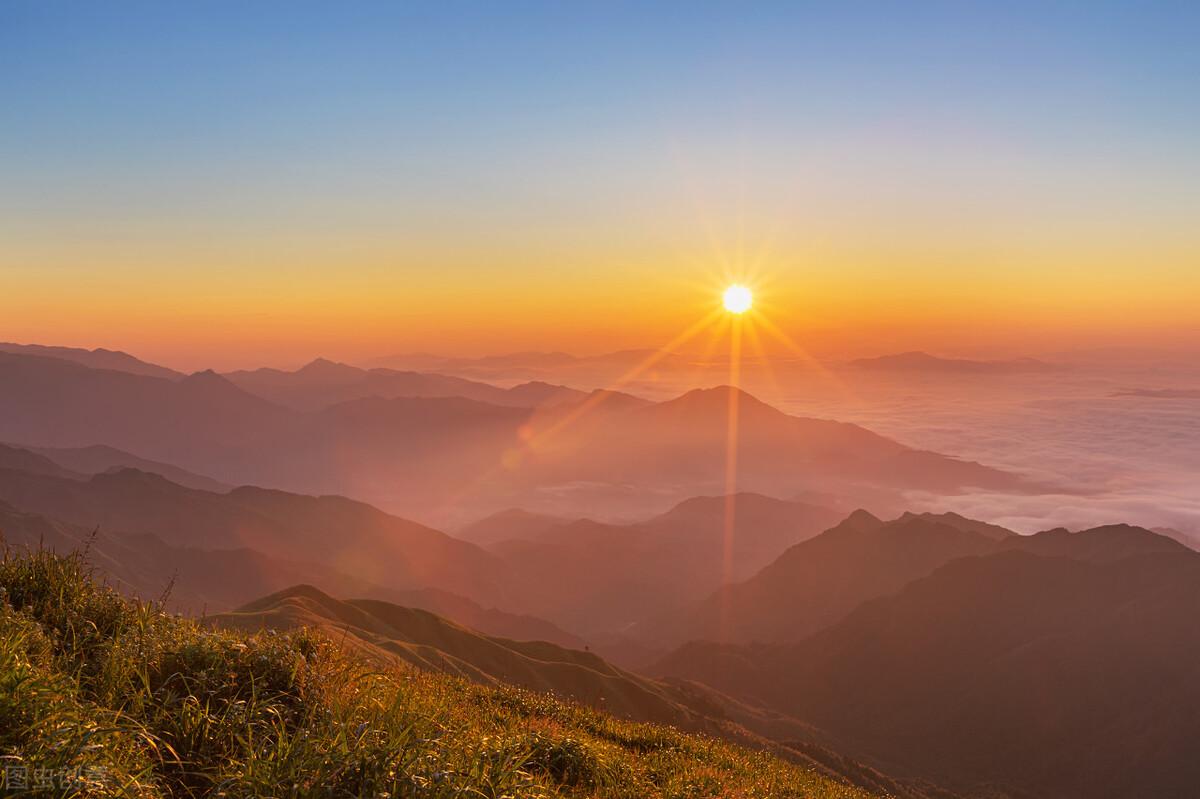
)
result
[(105, 696)]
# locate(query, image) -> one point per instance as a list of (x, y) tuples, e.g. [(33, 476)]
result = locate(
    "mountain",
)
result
[(1160, 393), (144, 565), (112, 684), (99, 458), (507, 525), (352, 537), (213, 580), (595, 577), (449, 458), (605, 369), (679, 448), (818, 581), (95, 359), (322, 383), (25, 460), (1063, 676), (199, 422), (430, 642), (923, 362)]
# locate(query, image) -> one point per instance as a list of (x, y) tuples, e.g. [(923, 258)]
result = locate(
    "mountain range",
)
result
[(1057, 665), (441, 458), (322, 383), (924, 363), (605, 550)]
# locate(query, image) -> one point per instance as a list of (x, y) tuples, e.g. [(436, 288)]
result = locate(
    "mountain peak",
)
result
[(324, 366), (206, 377), (861, 519), (717, 398)]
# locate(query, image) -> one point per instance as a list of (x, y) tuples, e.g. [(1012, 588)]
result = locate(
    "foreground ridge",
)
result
[(105, 696)]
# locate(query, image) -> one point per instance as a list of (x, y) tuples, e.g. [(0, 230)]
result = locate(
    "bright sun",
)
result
[(738, 299)]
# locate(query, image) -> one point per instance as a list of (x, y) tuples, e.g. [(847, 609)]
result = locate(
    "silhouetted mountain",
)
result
[(213, 580), (25, 460), (507, 525), (144, 565), (323, 383), (923, 362), (352, 537), (1160, 393), (592, 576), (99, 458), (95, 359), (958, 522), (196, 422), (818, 581), (596, 370), (451, 457), (1068, 676)]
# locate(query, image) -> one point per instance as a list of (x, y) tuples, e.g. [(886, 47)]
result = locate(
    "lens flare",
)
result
[(738, 299)]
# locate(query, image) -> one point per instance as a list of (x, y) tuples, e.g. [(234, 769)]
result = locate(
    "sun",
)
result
[(738, 299)]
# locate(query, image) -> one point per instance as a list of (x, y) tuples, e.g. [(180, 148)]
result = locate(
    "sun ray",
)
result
[(764, 361), (819, 368), (599, 397), (731, 455)]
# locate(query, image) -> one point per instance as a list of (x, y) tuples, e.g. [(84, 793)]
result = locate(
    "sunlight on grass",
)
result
[(103, 696)]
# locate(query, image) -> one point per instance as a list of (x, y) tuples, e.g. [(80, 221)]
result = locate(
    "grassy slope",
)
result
[(140, 703)]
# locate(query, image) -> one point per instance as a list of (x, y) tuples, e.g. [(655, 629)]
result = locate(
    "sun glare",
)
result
[(738, 299)]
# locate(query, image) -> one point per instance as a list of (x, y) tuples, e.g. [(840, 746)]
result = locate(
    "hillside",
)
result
[(1067, 674), (592, 576), (135, 702), (350, 536), (200, 581), (818, 581), (430, 642)]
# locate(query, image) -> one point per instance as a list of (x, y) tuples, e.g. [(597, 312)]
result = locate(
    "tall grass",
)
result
[(104, 696)]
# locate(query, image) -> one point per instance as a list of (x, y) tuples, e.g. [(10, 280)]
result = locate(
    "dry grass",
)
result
[(103, 696)]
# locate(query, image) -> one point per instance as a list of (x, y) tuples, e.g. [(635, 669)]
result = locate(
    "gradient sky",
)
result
[(227, 184)]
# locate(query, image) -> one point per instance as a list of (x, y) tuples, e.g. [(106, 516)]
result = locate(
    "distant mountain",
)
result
[(1160, 393), (685, 441), (506, 525), (99, 458), (144, 565), (817, 582), (596, 370), (593, 576), (95, 359), (25, 460), (1068, 676), (198, 422), (450, 457), (200, 580), (323, 383), (932, 364), (355, 538)]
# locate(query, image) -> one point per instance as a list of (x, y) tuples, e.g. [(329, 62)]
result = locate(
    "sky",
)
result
[(231, 184)]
